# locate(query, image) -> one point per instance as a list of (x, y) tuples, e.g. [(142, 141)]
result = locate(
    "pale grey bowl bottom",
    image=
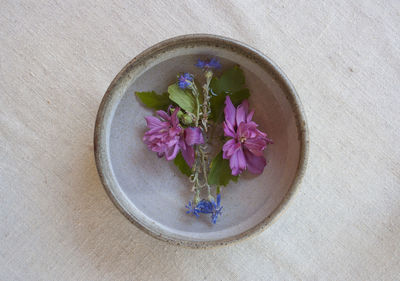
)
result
[(153, 192)]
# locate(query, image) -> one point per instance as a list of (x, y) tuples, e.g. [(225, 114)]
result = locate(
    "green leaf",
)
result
[(239, 96), (220, 172), (231, 80), (232, 83), (217, 103), (184, 99), (153, 100), (180, 162)]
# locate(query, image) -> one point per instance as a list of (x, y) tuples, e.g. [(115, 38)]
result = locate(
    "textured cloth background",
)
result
[(57, 59)]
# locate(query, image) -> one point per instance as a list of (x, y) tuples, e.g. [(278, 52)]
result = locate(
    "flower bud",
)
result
[(186, 119)]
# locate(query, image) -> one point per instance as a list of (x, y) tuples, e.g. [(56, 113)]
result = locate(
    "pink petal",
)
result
[(247, 130), (256, 146), (229, 131), (237, 162), (241, 130), (171, 152), (173, 132), (229, 148), (245, 105), (188, 155), (154, 122), (249, 116), (174, 117), (171, 142), (240, 114), (229, 111), (163, 115), (255, 164), (193, 136)]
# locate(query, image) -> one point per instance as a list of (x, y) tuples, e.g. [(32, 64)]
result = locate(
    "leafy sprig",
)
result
[(231, 83), (200, 108)]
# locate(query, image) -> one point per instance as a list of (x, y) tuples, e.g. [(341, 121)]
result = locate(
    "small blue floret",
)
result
[(206, 207), (208, 64), (192, 209), (185, 80)]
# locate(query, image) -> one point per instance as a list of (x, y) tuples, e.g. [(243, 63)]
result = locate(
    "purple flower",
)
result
[(185, 80), (166, 136), (190, 137), (245, 148), (208, 64)]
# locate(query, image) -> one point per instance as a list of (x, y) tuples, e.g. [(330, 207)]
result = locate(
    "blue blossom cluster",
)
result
[(206, 207), (185, 80), (208, 64)]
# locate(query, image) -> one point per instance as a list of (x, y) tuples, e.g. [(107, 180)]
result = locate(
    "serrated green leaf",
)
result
[(183, 99), (180, 162), (232, 80), (153, 100), (217, 103), (220, 172)]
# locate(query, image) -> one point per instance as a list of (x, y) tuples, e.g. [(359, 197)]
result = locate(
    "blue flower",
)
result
[(217, 209), (208, 64), (185, 80), (205, 207), (192, 209)]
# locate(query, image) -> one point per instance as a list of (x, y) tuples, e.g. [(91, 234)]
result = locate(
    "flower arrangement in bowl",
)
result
[(187, 131), (209, 107)]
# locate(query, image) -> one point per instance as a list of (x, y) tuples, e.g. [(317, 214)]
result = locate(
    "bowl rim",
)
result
[(104, 115)]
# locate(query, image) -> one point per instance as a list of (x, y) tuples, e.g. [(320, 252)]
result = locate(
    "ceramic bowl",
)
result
[(151, 192)]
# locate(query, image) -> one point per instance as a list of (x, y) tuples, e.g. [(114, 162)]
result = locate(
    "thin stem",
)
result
[(200, 165), (204, 159), (196, 95), (206, 99)]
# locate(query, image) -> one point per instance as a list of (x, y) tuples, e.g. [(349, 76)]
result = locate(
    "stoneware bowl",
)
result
[(151, 192)]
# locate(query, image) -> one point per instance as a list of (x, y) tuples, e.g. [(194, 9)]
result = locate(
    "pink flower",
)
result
[(166, 136), (245, 149)]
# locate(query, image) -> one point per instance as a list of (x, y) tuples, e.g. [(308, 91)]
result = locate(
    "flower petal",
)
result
[(154, 122), (188, 155), (229, 148), (229, 111), (163, 115), (237, 162), (229, 131), (249, 116), (174, 117), (171, 152), (247, 130), (255, 164), (256, 145), (240, 114), (193, 136), (245, 105)]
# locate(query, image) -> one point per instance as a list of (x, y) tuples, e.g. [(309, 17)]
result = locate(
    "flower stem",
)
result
[(195, 92), (201, 163), (206, 99)]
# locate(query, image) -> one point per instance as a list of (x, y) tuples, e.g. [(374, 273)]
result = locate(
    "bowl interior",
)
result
[(154, 193)]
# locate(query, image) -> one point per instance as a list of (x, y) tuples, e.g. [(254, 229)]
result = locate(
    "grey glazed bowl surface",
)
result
[(151, 192)]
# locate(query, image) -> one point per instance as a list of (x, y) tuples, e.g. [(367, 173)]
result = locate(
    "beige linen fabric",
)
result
[(57, 59)]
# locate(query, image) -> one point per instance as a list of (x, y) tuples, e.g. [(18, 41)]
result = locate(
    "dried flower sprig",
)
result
[(180, 132)]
